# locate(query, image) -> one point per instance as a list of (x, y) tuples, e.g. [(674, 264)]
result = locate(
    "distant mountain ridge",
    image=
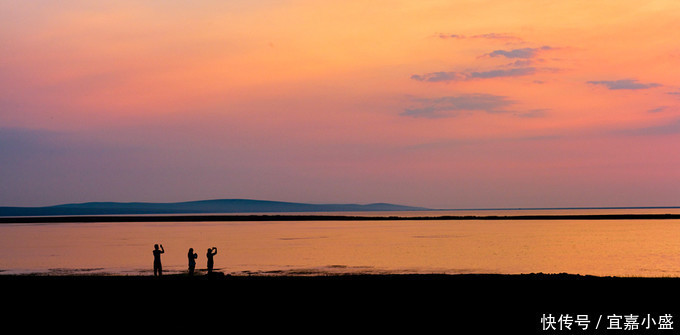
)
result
[(197, 207)]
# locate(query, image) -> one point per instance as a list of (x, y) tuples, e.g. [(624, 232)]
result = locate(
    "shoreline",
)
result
[(297, 217), (219, 276)]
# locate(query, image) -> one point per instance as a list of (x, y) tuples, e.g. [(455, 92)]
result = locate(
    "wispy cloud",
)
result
[(434, 77), (450, 36), (521, 63), (624, 84), (21, 143), (514, 72), (658, 109), (451, 105), (491, 36), (497, 36), (461, 76), (670, 128), (523, 53), (530, 114)]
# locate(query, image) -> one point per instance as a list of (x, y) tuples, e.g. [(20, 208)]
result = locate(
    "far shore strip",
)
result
[(316, 217)]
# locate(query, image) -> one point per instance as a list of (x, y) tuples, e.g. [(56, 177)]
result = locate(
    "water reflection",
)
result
[(602, 247)]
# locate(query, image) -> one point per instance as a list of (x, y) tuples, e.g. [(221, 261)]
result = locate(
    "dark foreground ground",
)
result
[(423, 304)]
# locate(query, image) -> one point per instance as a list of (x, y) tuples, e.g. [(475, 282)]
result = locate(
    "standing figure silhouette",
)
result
[(211, 252), (192, 260), (157, 267)]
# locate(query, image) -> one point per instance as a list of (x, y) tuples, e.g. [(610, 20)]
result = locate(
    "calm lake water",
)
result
[(597, 247)]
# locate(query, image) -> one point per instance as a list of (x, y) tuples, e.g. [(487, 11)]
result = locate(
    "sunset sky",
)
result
[(442, 104)]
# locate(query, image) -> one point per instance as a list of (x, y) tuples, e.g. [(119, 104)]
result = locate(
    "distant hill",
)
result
[(196, 207)]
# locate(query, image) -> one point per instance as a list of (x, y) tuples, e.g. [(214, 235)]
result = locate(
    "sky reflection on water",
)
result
[(602, 247)]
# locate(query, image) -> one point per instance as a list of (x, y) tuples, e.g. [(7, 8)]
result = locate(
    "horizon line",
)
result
[(416, 207)]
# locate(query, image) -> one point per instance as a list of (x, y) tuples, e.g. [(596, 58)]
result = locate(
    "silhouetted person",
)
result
[(211, 252), (192, 260), (157, 267)]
